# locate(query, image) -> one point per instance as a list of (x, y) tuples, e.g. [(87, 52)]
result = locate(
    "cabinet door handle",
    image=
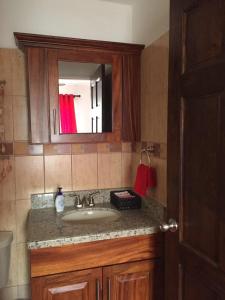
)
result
[(97, 289), (54, 121), (96, 124), (109, 289)]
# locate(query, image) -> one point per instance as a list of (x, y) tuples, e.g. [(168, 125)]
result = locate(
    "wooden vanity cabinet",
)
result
[(117, 269), (134, 281), (42, 55)]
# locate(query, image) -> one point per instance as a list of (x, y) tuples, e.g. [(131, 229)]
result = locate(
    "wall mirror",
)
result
[(85, 92), (85, 97)]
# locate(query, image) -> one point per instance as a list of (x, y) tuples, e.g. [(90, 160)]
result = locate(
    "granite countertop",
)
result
[(47, 229)]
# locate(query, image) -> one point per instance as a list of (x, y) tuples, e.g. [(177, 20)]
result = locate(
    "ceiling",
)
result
[(130, 2)]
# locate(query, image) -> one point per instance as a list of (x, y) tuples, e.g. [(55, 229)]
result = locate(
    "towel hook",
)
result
[(148, 156)]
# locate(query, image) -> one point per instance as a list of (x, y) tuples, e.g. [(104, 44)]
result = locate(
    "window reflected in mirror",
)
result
[(85, 97)]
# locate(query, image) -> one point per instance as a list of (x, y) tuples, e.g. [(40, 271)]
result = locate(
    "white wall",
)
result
[(150, 20), (91, 19), (82, 105)]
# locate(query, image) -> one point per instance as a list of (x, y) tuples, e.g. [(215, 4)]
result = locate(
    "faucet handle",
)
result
[(77, 203), (91, 201), (93, 193)]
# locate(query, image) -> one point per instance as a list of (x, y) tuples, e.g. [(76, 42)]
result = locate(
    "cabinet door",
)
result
[(133, 281), (80, 285)]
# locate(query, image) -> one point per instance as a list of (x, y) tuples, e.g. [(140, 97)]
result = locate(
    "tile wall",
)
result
[(154, 99)]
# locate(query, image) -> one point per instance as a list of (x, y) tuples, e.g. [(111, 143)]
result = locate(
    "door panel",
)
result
[(193, 289), (79, 285), (200, 174), (133, 281), (196, 151), (203, 37)]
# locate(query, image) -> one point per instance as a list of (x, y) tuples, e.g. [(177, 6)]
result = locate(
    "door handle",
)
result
[(54, 120), (170, 226), (109, 289), (97, 289)]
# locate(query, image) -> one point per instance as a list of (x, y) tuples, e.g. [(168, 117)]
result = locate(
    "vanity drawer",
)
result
[(54, 260)]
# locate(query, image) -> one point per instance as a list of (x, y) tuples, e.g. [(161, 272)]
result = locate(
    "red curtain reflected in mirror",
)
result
[(67, 114)]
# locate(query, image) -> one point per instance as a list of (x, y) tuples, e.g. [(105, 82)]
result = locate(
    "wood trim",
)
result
[(38, 105), (47, 41), (47, 261), (131, 108)]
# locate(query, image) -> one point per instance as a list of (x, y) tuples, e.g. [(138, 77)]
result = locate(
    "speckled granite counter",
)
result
[(47, 229)]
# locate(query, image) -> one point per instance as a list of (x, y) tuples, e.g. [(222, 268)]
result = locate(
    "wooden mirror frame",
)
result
[(42, 56)]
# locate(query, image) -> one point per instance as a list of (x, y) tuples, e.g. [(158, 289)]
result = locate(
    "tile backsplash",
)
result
[(47, 200)]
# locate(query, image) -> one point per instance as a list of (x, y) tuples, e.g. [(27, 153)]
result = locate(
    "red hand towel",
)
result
[(152, 178), (145, 179)]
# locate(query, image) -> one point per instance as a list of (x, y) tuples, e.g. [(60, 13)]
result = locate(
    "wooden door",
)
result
[(195, 255), (79, 285), (133, 281)]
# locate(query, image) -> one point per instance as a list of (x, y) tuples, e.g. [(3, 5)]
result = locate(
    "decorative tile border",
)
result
[(23, 148), (6, 150), (57, 149), (84, 148)]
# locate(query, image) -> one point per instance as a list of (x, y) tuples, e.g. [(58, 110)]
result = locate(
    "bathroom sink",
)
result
[(90, 215)]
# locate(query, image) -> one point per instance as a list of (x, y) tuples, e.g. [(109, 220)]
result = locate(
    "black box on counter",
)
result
[(125, 199)]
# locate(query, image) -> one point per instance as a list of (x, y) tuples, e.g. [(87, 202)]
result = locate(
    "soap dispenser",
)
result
[(59, 201)]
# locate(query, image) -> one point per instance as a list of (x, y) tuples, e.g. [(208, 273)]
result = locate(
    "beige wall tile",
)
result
[(8, 217), (58, 172), (24, 292), (29, 176), (18, 73), (154, 100), (20, 116), (109, 170), (13, 271), (127, 178), (85, 174), (7, 183), (154, 90), (22, 209), (160, 192), (6, 69), (135, 163), (22, 264), (9, 293), (8, 118)]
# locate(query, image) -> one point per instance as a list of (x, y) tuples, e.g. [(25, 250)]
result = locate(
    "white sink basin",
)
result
[(90, 215)]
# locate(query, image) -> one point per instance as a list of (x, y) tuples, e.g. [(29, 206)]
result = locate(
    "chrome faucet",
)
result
[(86, 201), (91, 202), (78, 203)]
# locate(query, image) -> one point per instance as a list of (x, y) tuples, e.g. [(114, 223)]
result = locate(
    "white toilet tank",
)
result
[(6, 238)]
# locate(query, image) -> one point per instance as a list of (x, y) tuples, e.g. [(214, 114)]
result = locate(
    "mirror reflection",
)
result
[(85, 97)]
